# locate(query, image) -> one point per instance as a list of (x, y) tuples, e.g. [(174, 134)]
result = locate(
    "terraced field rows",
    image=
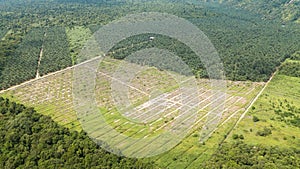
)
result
[(190, 153), (155, 96)]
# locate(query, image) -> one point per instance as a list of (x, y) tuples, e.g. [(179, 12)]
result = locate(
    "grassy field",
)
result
[(274, 118), (77, 37), (52, 95)]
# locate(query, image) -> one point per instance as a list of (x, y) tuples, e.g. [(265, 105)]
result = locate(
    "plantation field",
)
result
[(245, 42), (2, 33), (155, 97), (58, 59), (35, 57), (45, 49), (23, 64), (49, 96), (274, 119)]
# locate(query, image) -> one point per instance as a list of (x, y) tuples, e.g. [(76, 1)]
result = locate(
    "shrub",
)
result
[(235, 136), (255, 119), (265, 132)]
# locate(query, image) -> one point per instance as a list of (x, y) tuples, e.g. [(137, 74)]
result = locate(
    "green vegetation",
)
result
[(242, 155), (253, 39), (296, 56), (265, 132), (271, 130), (77, 37), (52, 95), (255, 119), (290, 68), (2, 33), (269, 136), (7, 49), (56, 54), (31, 140), (285, 10), (94, 28), (22, 64), (138, 42), (245, 42)]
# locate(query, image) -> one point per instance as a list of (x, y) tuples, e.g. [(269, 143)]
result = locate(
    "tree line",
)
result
[(31, 140)]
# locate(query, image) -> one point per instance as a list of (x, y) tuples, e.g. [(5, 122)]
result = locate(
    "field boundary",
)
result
[(249, 106), (49, 74), (254, 100)]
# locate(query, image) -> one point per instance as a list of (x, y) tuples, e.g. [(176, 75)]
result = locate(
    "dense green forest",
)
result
[(250, 46), (291, 69), (31, 140)]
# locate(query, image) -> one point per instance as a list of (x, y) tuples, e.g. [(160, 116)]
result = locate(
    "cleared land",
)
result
[(154, 95)]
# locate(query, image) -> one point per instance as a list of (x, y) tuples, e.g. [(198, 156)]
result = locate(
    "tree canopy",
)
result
[(32, 140)]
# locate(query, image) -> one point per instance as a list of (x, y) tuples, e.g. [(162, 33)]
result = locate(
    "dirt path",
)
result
[(40, 58), (53, 73), (246, 111), (39, 63), (50, 74), (248, 108), (255, 99)]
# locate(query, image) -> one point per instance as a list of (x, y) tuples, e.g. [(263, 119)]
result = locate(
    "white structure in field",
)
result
[(151, 38)]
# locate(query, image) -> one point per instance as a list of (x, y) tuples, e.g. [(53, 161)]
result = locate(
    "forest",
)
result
[(31, 140), (250, 47)]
